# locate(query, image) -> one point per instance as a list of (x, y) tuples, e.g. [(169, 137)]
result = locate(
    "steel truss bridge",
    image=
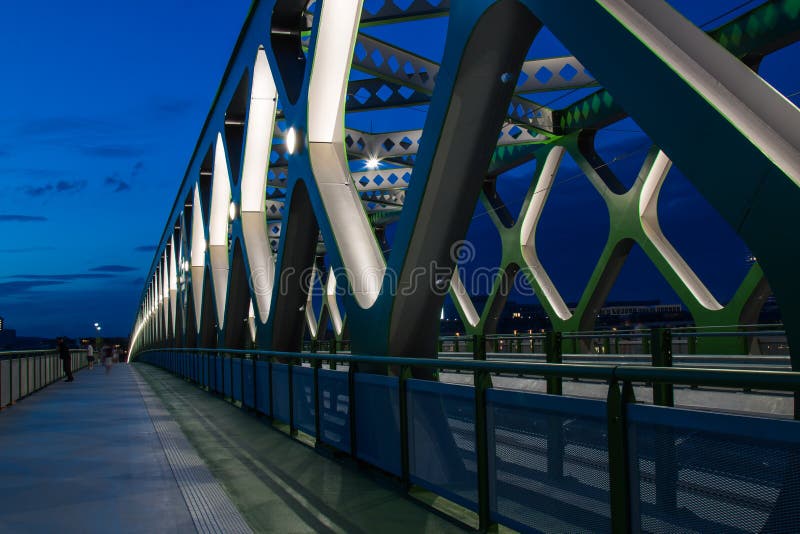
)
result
[(255, 225), (281, 200)]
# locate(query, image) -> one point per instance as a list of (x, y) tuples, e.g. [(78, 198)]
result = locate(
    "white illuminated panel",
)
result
[(198, 257), (338, 26), (173, 285), (258, 144), (218, 228), (333, 306), (648, 213), (528, 233)]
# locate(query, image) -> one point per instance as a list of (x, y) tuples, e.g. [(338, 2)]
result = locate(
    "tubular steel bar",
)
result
[(732, 378)]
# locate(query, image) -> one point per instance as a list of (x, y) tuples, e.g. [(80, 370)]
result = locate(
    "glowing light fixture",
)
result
[(291, 140), (232, 211), (186, 265), (372, 163)]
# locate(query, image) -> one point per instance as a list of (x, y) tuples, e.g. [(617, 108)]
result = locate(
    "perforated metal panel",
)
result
[(263, 390), (303, 398), (441, 440), (334, 407), (711, 472), (548, 462), (377, 415), (280, 392), (248, 380), (227, 376), (218, 387), (236, 363)]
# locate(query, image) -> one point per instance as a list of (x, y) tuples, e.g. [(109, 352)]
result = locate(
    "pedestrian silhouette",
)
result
[(66, 359)]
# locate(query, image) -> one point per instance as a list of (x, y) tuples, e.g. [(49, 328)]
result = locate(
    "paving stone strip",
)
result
[(210, 507)]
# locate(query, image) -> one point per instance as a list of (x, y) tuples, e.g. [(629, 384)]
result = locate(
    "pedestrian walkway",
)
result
[(101, 454), (282, 485), (109, 453)]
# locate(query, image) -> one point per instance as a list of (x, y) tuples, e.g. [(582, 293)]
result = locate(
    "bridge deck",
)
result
[(104, 454)]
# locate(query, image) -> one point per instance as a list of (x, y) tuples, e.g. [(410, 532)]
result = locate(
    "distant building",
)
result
[(630, 308), (1, 323)]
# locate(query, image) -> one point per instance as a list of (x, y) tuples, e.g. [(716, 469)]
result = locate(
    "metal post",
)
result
[(405, 374), (483, 381), (290, 367), (315, 364), (661, 344), (555, 427), (691, 343), (351, 399), (553, 354), (665, 453), (479, 347), (333, 346), (618, 467)]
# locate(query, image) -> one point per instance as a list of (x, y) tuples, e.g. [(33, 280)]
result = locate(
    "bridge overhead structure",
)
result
[(277, 198)]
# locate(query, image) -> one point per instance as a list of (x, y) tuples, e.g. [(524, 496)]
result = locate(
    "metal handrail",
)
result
[(6, 354), (694, 376)]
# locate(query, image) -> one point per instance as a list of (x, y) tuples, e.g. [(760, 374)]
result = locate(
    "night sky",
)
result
[(103, 103)]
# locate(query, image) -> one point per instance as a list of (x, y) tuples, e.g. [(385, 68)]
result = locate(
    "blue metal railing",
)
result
[(584, 450)]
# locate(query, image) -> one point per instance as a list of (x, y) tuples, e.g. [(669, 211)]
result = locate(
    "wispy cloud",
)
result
[(137, 169), (60, 126), (22, 250), (34, 173), (112, 151), (174, 107), (60, 186), (113, 269), (21, 218), (119, 184), (145, 248), (23, 286), (61, 277), (116, 183)]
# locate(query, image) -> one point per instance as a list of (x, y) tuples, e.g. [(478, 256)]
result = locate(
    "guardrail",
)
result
[(756, 339), (745, 339), (23, 373), (531, 460)]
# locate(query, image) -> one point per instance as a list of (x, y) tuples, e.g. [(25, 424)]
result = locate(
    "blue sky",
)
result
[(103, 105)]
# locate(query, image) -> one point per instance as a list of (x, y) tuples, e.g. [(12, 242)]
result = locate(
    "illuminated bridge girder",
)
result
[(241, 269)]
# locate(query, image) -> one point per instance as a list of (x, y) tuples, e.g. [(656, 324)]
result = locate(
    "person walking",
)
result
[(66, 359), (107, 358), (90, 355)]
